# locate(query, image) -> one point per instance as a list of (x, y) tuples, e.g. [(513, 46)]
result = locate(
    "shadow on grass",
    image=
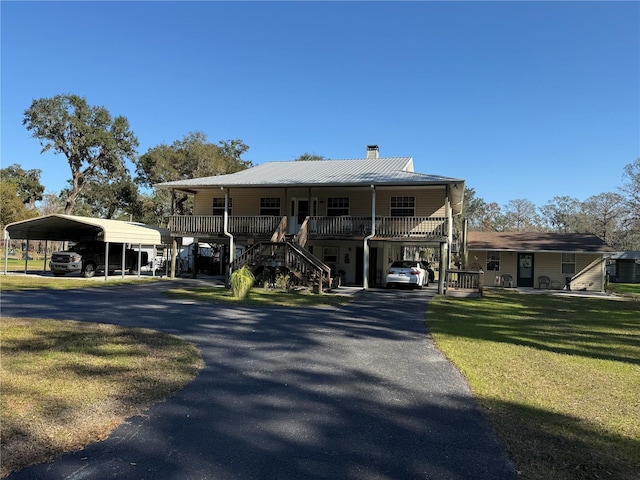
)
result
[(545, 445), (350, 393), (590, 327), (68, 383)]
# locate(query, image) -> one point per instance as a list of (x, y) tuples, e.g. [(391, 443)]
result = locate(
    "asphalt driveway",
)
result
[(356, 392)]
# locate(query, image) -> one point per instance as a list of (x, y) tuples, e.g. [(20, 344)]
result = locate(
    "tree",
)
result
[(306, 156), (51, 203), (115, 197), (562, 214), (474, 209), (93, 142), (520, 216), (491, 218), (28, 186), (11, 207), (155, 208), (603, 215), (191, 157), (631, 190), (231, 151)]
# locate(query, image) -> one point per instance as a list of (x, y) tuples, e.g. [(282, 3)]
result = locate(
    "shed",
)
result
[(627, 267)]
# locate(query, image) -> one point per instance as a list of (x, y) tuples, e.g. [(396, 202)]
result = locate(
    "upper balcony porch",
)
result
[(315, 227)]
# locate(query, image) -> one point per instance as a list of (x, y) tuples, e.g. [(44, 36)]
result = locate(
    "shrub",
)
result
[(241, 282)]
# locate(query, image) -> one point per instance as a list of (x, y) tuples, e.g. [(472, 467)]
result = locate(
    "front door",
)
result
[(525, 270), (301, 209)]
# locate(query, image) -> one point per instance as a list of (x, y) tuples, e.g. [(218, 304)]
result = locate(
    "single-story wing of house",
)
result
[(573, 261)]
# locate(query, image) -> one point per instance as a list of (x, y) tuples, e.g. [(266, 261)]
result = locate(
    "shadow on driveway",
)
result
[(355, 392)]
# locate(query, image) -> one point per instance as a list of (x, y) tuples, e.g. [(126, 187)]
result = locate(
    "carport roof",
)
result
[(58, 227)]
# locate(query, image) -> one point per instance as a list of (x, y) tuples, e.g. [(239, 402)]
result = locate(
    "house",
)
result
[(626, 267), (573, 261), (323, 219)]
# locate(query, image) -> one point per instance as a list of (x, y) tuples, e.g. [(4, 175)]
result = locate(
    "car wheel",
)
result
[(89, 270)]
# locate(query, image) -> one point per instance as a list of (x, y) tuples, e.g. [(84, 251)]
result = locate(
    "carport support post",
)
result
[(26, 259), (106, 261), (46, 250), (6, 250), (443, 267), (124, 251)]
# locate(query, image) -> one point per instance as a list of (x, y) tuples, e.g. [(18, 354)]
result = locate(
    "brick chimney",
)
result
[(373, 151)]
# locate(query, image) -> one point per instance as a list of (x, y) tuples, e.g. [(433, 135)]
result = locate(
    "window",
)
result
[(493, 261), (330, 254), (569, 263), (403, 206), (337, 206), (218, 207), (270, 207)]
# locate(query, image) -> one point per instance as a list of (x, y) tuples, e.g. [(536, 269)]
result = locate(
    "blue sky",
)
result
[(521, 99)]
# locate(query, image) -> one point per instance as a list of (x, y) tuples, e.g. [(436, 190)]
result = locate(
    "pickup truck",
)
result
[(88, 257)]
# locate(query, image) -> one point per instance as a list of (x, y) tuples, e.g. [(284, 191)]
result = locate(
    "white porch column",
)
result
[(449, 214), (174, 254), (225, 229), (444, 254)]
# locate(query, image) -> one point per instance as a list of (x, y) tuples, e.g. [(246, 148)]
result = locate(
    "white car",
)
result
[(407, 272)]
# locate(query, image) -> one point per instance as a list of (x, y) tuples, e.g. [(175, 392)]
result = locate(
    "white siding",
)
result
[(246, 202), (588, 276)]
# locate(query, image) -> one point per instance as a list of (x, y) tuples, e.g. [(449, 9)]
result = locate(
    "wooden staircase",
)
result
[(284, 252), (286, 255)]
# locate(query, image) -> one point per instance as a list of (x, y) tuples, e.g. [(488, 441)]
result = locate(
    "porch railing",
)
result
[(345, 226), (385, 226), (464, 282), (194, 225), (281, 231)]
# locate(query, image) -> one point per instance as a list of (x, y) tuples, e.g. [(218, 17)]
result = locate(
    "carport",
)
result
[(59, 227)]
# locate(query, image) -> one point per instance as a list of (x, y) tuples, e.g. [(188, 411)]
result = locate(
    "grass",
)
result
[(631, 290), (37, 282), (66, 384), (558, 377), (260, 296), (15, 262)]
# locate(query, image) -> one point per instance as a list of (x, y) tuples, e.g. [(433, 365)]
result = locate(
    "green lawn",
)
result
[(631, 290), (261, 296), (559, 378)]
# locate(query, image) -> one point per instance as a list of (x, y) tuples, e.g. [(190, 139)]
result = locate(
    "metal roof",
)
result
[(537, 242), (60, 227), (390, 171), (378, 171)]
